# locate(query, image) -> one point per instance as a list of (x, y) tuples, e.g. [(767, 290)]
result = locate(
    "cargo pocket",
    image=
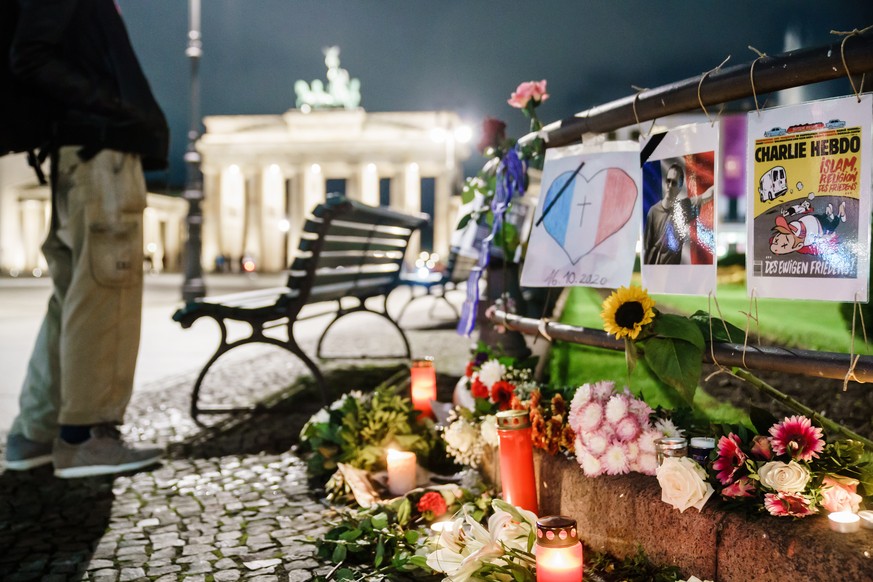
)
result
[(115, 252)]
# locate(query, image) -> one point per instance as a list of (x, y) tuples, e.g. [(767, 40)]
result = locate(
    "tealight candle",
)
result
[(441, 526), (866, 518), (844, 521), (423, 387), (401, 472), (559, 553)]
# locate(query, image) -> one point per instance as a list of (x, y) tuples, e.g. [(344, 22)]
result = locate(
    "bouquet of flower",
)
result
[(550, 428), (503, 551), (358, 429), (614, 431), (490, 384), (790, 471)]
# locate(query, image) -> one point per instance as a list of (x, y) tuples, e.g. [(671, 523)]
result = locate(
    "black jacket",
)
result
[(78, 54)]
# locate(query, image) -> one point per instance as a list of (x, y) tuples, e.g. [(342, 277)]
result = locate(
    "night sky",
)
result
[(461, 55)]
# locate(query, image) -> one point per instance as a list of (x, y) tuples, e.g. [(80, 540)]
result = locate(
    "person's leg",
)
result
[(30, 439), (103, 307), (102, 310)]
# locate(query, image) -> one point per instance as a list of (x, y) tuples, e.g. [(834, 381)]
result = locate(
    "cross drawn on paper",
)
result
[(583, 204)]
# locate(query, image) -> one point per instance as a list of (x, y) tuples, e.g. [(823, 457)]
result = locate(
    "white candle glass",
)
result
[(866, 518), (401, 472)]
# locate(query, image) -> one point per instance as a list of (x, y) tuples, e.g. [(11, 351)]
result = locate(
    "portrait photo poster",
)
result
[(679, 216), (586, 224), (808, 190)]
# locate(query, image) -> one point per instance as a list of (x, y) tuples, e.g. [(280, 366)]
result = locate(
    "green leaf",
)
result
[(667, 325), (420, 562), (351, 535), (339, 554), (675, 362), (404, 511), (380, 520), (412, 536), (733, 334), (380, 553), (463, 222)]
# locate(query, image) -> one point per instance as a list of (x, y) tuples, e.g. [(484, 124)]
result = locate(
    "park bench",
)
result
[(349, 251), (437, 284)]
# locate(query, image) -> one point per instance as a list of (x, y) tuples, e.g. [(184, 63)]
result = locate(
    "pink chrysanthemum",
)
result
[(641, 410), (615, 460), (788, 504), (616, 408), (602, 390), (730, 458), (595, 442), (796, 437), (647, 440), (589, 419), (591, 465), (627, 429), (742, 487), (633, 452), (581, 397), (647, 463)]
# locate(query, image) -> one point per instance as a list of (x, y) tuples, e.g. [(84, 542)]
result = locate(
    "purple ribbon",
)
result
[(511, 175)]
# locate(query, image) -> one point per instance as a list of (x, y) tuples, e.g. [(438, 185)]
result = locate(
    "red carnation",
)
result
[(470, 369), (493, 135), (501, 394), (434, 503), (478, 389)]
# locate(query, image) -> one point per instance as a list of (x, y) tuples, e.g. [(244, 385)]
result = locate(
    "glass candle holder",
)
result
[(559, 552), (670, 447), (699, 449), (516, 459), (423, 388)]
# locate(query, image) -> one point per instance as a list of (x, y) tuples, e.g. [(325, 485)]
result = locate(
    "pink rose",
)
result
[(525, 92), (838, 493)]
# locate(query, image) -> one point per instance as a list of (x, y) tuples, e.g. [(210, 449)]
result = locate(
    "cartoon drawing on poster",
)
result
[(679, 178), (809, 172), (585, 224)]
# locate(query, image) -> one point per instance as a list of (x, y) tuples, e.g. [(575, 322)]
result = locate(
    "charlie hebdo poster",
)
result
[(809, 200), (679, 178), (586, 223)]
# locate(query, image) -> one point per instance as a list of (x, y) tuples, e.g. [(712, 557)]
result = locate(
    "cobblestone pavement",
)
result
[(230, 502)]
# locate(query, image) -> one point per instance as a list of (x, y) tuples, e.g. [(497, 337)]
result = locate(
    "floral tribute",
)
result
[(468, 550), (550, 423), (614, 431), (358, 428), (489, 385), (790, 471)]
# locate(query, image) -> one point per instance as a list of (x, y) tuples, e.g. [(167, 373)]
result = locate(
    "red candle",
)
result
[(423, 385), (516, 459), (559, 553)]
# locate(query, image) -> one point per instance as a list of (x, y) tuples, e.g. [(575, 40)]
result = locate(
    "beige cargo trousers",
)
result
[(81, 369)]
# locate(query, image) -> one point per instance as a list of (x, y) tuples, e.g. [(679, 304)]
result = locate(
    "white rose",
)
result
[(683, 483), (488, 429), (461, 436), (490, 372), (790, 477)]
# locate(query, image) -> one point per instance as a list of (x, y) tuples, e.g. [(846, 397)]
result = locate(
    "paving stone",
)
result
[(100, 564), (266, 577), (299, 576), (259, 564), (160, 571), (226, 576), (302, 564), (105, 575), (128, 574), (195, 549)]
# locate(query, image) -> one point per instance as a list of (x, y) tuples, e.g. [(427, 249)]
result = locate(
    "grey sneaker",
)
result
[(23, 454), (102, 454)]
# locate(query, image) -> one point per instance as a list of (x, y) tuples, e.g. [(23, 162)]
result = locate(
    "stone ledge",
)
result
[(618, 514)]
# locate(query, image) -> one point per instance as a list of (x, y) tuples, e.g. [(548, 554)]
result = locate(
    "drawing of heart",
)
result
[(589, 210)]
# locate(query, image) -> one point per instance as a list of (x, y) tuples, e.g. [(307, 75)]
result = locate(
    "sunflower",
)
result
[(626, 311)]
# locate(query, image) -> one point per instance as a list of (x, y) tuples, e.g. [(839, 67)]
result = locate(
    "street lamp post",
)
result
[(193, 286)]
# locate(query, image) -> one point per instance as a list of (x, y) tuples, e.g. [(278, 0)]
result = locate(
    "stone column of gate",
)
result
[(443, 217), (272, 194), (367, 183), (411, 199), (253, 215), (211, 209)]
